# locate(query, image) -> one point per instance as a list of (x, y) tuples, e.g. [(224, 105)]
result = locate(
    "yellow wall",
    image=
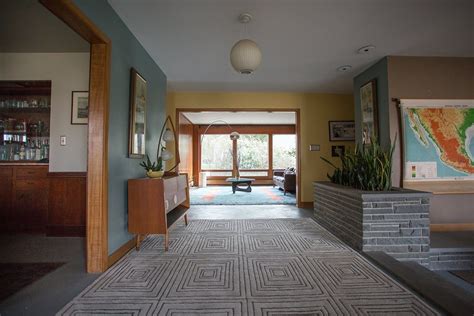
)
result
[(315, 112)]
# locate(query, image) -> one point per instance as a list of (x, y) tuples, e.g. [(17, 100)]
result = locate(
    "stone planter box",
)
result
[(396, 222)]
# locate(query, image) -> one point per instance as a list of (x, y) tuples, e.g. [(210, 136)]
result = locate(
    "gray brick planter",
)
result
[(396, 222)]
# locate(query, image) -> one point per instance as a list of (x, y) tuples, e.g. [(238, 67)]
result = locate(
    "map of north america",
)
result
[(451, 130)]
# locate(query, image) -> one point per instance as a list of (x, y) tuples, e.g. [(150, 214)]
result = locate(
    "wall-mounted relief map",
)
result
[(438, 139)]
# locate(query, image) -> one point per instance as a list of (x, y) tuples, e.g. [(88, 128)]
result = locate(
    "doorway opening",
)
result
[(240, 157), (44, 108)]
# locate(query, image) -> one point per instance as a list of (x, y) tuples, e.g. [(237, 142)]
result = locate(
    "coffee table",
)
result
[(236, 181)]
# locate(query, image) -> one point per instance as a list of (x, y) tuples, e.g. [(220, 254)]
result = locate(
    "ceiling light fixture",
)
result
[(344, 68), (366, 49), (245, 55)]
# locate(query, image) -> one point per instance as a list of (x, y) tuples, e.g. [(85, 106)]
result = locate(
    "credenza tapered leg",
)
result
[(186, 219), (166, 241), (138, 241)]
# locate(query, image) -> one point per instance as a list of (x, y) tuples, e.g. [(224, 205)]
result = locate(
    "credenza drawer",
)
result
[(173, 200), (6, 172), (182, 182), (181, 196), (170, 185), (34, 184), (31, 172)]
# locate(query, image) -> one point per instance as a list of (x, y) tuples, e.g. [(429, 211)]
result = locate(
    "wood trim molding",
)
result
[(67, 174), (196, 134), (97, 157), (452, 227), (65, 231), (248, 129), (298, 159), (306, 205), (70, 14), (237, 109), (97, 160), (122, 251)]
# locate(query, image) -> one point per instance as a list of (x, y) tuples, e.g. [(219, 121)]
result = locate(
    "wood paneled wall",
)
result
[(35, 201), (185, 144), (67, 204)]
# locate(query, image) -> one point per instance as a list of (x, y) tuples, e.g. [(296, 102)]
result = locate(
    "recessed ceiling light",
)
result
[(344, 68), (366, 49)]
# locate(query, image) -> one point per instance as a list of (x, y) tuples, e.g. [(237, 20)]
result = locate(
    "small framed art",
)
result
[(341, 131), (80, 108)]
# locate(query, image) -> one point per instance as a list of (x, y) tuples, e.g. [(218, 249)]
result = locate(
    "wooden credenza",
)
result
[(154, 205)]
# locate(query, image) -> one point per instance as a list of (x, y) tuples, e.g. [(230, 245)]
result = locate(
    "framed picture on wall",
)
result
[(341, 131), (338, 151), (369, 111), (138, 98), (80, 108)]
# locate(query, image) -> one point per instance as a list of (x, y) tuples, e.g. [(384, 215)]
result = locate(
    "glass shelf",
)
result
[(26, 110)]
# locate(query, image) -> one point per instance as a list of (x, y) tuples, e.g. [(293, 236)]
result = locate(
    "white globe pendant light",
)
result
[(245, 55)]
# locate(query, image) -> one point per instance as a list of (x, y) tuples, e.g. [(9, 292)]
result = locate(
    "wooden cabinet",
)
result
[(67, 204), (154, 205), (6, 193), (23, 198)]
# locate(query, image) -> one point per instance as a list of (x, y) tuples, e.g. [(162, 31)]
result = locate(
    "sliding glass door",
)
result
[(254, 155), (284, 151), (216, 155)]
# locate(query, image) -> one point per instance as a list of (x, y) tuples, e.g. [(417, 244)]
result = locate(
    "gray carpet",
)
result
[(246, 267)]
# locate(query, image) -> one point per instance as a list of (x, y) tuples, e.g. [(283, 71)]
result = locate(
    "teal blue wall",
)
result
[(378, 71), (127, 52)]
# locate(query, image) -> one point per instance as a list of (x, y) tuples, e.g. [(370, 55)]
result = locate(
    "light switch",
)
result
[(314, 147), (62, 140)]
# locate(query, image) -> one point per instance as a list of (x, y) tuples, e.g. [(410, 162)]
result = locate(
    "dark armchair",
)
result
[(285, 179)]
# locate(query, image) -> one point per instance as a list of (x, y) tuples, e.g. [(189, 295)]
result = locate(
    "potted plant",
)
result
[(367, 168), (360, 206), (155, 169)]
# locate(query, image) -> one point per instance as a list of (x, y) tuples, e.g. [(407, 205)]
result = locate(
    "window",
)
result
[(284, 151), (253, 154), (216, 152), (252, 151), (253, 173)]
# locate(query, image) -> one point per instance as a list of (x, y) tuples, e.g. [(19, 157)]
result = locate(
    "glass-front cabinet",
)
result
[(25, 108)]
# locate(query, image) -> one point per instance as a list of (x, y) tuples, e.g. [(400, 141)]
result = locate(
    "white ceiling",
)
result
[(241, 118), (302, 41), (26, 26)]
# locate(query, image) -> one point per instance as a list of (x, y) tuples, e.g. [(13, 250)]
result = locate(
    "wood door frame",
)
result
[(97, 156), (297, 132)]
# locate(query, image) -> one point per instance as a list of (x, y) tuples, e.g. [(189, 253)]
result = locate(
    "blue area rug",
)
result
[(222, 195)]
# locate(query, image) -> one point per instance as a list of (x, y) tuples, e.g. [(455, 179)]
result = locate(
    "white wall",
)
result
[(68, 72)]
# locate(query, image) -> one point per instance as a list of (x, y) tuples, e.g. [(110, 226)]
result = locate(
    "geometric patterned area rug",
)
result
[(222, 195), (246, 267)]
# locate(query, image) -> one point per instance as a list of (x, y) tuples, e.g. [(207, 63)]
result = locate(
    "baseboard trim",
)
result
[(67, 174), (452, 227), (307, 205), (65, 231), (119, 253)]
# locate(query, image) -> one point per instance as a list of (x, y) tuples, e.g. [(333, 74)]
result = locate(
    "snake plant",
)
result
[(367, 167)]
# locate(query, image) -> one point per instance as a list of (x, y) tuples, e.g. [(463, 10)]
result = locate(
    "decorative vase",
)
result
[(155, 174)]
